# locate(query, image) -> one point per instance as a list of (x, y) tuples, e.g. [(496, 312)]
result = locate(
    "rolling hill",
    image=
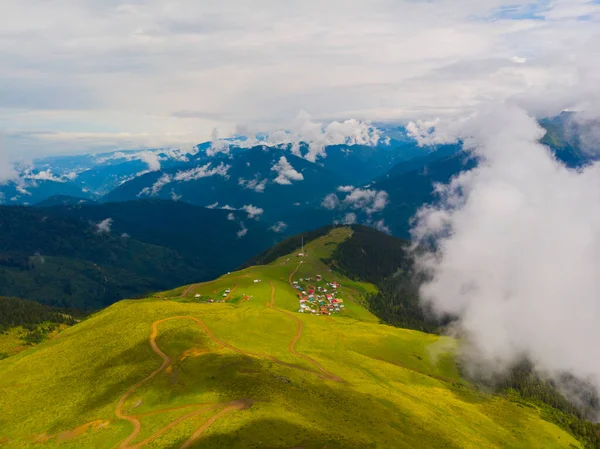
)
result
[(231, 363)]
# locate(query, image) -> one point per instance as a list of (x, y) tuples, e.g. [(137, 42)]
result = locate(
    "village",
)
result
[(318, 296)]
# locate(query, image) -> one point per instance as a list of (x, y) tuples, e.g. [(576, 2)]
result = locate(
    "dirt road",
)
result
[(224, 407), (292, 346)]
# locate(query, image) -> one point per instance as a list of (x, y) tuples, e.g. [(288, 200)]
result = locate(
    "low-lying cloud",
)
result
[(104, 226), (286, 174), (517, 249), (192, 174), (252, 211)]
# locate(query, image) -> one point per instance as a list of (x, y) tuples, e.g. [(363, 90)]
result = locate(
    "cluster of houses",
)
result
[(318, 296)]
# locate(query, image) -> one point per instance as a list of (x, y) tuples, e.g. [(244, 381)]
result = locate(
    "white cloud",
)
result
[(213, 205), (252, 211), (278, 227), (368, 200), (104, 226), (203, 171), (374, 61), (381, 226), (517, 243), (22, 190), (303, 129), (175, 196), (151, 159), (243, 230), (230, 216), (157, 186), (253, 184), (185, 176), (217, 145), (286, 174), (331, 201), (349, 218)]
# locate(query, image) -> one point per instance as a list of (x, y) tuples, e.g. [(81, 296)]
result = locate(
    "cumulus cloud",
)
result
[(331, 201), (175, 196), (516, 251), (368, 200), (217, 145), (316, 135), (104, 226), (253, 184), (380, 226), (252, 211), (349, 218), (278, 227), (151, 159), (286, 174), (230, 216)]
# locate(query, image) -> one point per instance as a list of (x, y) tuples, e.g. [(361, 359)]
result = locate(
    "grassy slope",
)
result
[(400, 388)]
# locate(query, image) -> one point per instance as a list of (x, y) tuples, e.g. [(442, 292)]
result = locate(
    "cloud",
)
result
[(151, 159), (368, 200), (192, 174), (380, 226), (217, 145), (515, 251), (175, 196), (286, 174), (253, 184), (316, 135), (104, 226), (368, 61), (278, 227), (243, 230), (157, 186), (202, 172), (349, 218), (331, 202), (252, 211), (7, 168), (230, 216)]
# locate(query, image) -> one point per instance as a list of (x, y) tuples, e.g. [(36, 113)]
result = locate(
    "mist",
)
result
[(516, 251)]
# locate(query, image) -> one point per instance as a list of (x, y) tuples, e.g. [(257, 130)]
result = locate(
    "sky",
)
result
[(91, 75)]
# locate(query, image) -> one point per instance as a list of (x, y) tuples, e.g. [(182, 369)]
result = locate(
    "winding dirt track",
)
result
[(292, 346), (224, 407)]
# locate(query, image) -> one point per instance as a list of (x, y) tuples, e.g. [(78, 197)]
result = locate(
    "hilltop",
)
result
[(232, 363)]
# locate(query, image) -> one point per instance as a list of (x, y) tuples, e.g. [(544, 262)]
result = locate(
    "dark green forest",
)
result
[(66, 262)]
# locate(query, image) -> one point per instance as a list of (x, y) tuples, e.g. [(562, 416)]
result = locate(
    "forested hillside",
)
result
[(19, 312), (65, 262)]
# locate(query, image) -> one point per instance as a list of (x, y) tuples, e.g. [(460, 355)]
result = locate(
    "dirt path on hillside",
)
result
[(293, 273), (292, 346), (224, 407)]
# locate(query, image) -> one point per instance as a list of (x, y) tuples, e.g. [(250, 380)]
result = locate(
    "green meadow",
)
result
[(252, 372)]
